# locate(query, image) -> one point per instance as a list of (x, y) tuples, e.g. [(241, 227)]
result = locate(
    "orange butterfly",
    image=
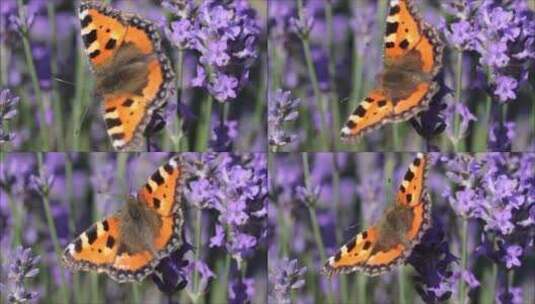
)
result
[(133, 76), (390, 241), (412, 58), (130, 243)]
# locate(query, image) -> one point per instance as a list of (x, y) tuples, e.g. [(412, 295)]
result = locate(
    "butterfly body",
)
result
[(139, 227), (128, 244), (412, 58), (387, 243), (133, 76)]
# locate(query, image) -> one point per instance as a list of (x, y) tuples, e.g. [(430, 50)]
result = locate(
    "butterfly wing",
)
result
[(406, 32), (100, 247), (103, 31), (163, 193), (127, 113), (374, 111), (412, 193), (353, 255), (365, 252), (407, 36), (408, 42)]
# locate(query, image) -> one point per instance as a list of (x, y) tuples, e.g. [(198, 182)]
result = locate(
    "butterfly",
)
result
[(412, 58), (133, 76), (128, 244), (390, 241)]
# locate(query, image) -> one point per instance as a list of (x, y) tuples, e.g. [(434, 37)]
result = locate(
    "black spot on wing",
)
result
[(364, 235), (359, 111), (94, 54), (113, 122), (350, 124), (148, 187), (110, 110), (110, 242), (78, 245), (391, 28), (381, 103), (367, 245), (402, 189), (409, 198), (394, 10), (128, 102), (417, 162), (156, 202), (351, 244), (157, 178), (168, 168), (85, 22), (105, 225), (389, 45), (404, 44), (91, 234), (110, 44), (409, 175), (89, 38)]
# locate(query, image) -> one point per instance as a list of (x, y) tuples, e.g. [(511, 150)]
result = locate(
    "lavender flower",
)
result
[(465, 116), (282, 109), (224, 135), (302, 25), (501, 33), (8, 110), (23, 266), (42, 183), (432, 261), (170, 274), (283, 279), (224, 34), (235, 188), (241, 290), (501, 136)]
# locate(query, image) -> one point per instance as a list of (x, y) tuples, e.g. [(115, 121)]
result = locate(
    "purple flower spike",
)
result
[(511, 257), (8, 110), (282, 109), (23, 266), (432, 261), (501, 136), (287, 276), (170, 274), (224, 34)]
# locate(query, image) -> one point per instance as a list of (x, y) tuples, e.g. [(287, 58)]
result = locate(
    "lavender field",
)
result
[(267, 151), (47, 92), (479, 248), (47, 199), (325, 57)]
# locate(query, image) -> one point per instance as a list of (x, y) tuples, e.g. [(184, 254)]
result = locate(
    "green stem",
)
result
[(311, 206), (78, 103), (17, 221), (324, 133), (204, 124), (70, 194), (401, 285), (458, 95), (52, 227), (135, 293), (196, 284), (332, 74), (464, 257), (56, 104), (179, 70), (33, 76)]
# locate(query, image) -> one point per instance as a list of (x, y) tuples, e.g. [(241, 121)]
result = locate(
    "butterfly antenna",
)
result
[(63, 81)]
